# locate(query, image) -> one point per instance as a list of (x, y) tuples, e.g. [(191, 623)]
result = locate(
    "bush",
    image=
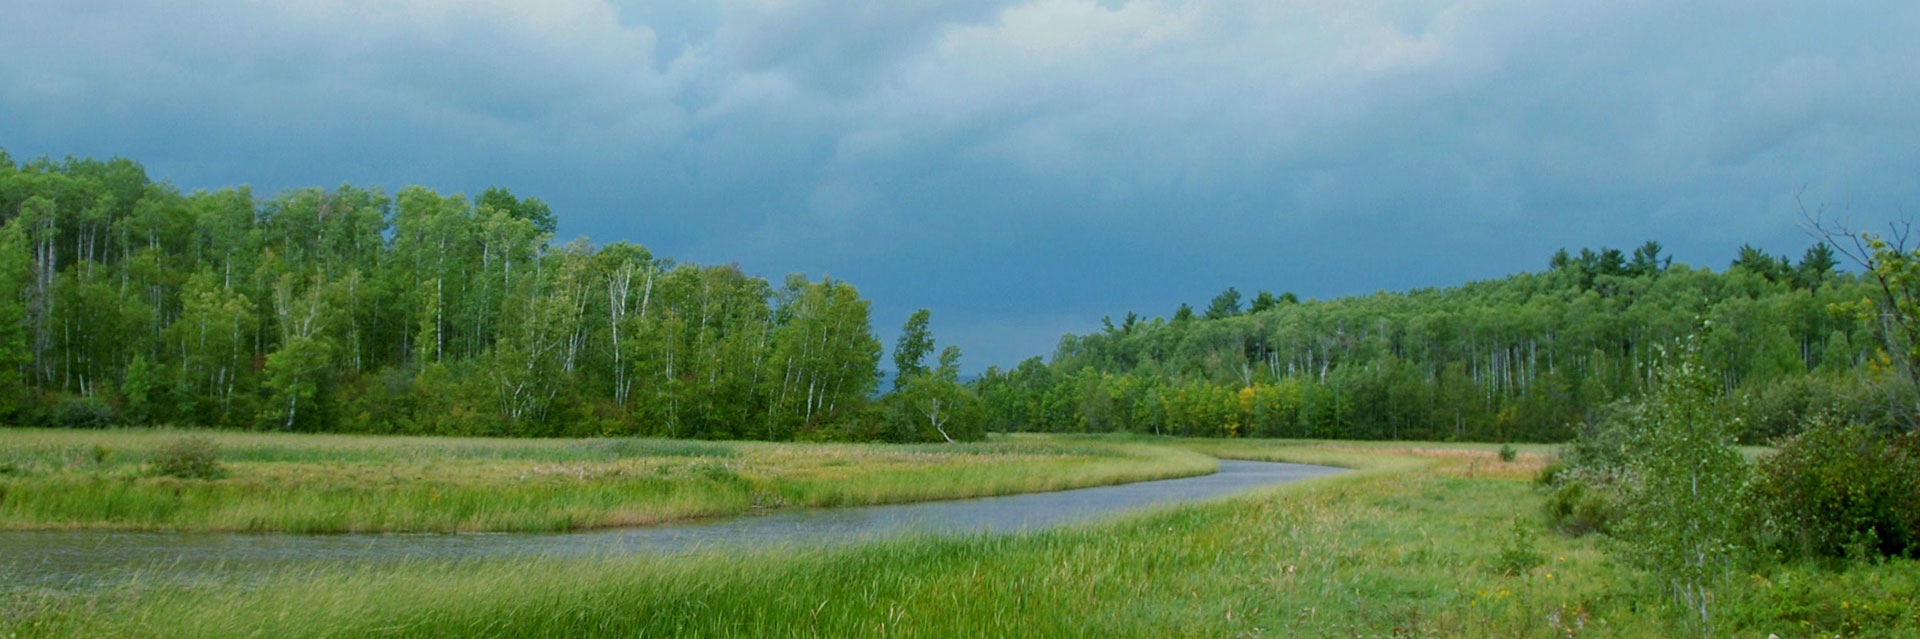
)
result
[(1518, 552), (1834, 486), (1507, 453), (909, 413), (1550, 473), (1589, 480), (83, 412), (1577, 508), (191, 457), (1790, 405)]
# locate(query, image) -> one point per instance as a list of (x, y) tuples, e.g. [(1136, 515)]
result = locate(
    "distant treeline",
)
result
[(123, 300), (1533, 356)]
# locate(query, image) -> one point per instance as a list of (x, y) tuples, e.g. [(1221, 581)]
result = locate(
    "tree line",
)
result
[(126, 301), (1533, 356)]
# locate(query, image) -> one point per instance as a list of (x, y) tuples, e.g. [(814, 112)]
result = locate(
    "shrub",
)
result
[(1507, 453), (1518, 552), (1550, 473), (1834, 486), (1784, 408), (1577, 508), (83, 412), (191, 457), (1682, 515)]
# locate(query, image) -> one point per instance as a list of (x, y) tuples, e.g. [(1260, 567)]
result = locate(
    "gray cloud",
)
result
[(1014, 165)]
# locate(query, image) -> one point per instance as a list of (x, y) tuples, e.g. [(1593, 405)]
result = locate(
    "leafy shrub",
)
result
[(191, 457), (1591, 478), (1579, 507), (1682, 512), (83, 412), (1550, 473), (1519, 552), (1829, 601), (1603, 444), (1792, 404), (930, 408), (1507, 453), (1834, 486)]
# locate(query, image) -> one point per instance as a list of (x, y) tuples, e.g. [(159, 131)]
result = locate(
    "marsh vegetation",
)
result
[(1421, 541), (168, 480)]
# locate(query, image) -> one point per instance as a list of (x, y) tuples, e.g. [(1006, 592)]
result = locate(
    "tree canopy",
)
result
[(1532, 356), (351, 309)]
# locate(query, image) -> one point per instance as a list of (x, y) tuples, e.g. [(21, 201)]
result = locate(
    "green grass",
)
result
[(336, 483), (1409, 546)]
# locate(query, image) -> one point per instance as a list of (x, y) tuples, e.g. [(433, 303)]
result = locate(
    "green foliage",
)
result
[(137, 391), (1894, 268), (415, 312), (1838, 485), (1224, 305), (530, 210), (16, 279), (190, 457), (1519, 552), (1758, 262), (949, 364), (932, 408), (1531, 357), (1683, 506), (83, 412), (1507, 453), (317, 483), (1576, 508), (1263, 302), (1390, 551), (911, 349), (1815, 600)]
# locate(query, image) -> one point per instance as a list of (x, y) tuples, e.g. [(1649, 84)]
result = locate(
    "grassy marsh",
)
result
[(338, 483), (1409, 546)]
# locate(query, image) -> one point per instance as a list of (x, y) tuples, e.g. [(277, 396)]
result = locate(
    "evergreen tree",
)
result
[(1224, 305), (1816, 266), (1263, 302)]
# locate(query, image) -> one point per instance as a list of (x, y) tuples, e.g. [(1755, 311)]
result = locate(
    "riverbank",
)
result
[(106, 480), (1423, 542)]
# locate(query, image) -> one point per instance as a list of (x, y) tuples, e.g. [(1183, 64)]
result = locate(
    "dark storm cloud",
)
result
[(1023, 168), (841, 47)]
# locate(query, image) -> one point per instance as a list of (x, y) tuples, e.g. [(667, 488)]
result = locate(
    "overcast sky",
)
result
[(1023, 167)]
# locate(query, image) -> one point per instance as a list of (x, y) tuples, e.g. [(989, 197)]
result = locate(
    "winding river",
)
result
[(56, 558)]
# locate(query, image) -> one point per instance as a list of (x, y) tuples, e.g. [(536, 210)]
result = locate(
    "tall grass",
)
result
[(1410, 546), (334, 483)]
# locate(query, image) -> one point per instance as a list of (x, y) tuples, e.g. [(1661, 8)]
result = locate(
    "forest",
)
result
[(126, 302), (1535, 356)]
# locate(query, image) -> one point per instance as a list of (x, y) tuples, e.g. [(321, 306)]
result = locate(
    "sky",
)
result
[(1024, 167)]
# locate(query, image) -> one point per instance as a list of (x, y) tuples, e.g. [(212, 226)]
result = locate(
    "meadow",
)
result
[(1440, 541), (57, 479)]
